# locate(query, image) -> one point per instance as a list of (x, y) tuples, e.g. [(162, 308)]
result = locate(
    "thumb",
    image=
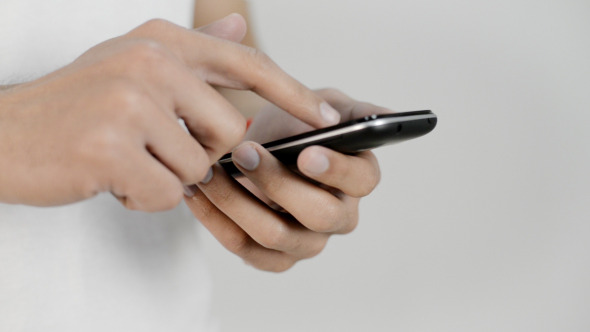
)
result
[(232, 27)]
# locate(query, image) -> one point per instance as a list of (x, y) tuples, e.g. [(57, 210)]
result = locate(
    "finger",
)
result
[(175, 148), (239, 67), (232, 65), (356, 176), (156, 146), (235, 239), (232, 27), (267, 227), (143, 183), (315, 208), (216, 124)]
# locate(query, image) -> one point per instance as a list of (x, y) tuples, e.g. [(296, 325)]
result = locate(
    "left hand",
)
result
[(282, 217)]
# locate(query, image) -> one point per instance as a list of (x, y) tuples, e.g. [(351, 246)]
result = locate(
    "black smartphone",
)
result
[(349, 137)]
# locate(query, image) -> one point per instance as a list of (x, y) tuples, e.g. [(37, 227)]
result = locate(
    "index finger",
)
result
[(225, 63)]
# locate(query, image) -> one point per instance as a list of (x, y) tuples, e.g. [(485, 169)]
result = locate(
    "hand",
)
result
[(108, 121), (282, 217)]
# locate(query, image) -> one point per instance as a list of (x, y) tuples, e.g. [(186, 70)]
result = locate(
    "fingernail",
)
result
[(208, 177), (330, 115), (316, 163), (189, 191), (246, 156)]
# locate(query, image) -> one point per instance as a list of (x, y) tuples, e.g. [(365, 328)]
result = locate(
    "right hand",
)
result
[(108, 121)]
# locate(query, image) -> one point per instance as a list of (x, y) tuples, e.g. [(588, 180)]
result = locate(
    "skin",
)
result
[(274, 218), (109, 124), (109, 119)]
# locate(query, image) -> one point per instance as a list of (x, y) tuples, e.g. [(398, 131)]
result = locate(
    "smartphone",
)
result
[(349, 137)]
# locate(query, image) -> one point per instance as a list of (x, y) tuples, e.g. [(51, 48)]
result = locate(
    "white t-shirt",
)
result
[(92, 266)]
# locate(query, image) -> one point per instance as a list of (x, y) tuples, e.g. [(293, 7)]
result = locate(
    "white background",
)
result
[(483, 225)]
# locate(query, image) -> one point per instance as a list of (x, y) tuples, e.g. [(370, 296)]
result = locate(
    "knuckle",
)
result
[(238, 131), (156, 22), (316, 248), (127, 103), (170, 200), (362, 191), (146, 54), (282, 265), (103, 147), (261, 64), (329, 219), (372, 182), (275, 237), (233, 133), (152, 25), (376, 176), (196, 164), (167, 198), (350, 225), (238, 244), (260, 57), (201, 170)]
